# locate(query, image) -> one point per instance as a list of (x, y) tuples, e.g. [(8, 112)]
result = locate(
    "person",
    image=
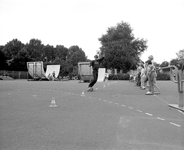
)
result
[(53, 74), (150, 76), (95, 66), (154, 78), (49, 77), (143, 77), (139, 75)]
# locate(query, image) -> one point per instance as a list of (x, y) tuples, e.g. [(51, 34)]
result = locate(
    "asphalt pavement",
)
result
[(116, 116)]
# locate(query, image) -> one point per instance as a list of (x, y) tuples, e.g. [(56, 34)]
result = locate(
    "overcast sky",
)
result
[(82, 22)]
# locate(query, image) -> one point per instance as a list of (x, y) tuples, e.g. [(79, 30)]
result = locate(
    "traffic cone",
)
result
[(53, 103), (82, 93), (104, 86)]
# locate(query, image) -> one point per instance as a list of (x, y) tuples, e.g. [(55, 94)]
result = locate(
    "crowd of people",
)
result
[(52, 76), (145, 76)]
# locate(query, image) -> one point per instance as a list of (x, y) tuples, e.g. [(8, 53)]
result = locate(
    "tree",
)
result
[(75, 55), (11, 50), (2, 59), (121, 48), (164, 64), (35, 49), (20, 60), (174, 62), (180, 54), (61, 52), (49, 53)]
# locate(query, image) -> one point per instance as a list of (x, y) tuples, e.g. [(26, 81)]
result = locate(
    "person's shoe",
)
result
[(89, 89), (149, 93)]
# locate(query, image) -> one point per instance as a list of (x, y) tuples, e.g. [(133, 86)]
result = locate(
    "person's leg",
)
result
[(95, 77), (150, 85), (145, 81), (138, 79), (156, 86), (142, 82)]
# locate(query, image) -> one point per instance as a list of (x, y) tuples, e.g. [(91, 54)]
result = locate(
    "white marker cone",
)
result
[(82, 93), (53, 103)]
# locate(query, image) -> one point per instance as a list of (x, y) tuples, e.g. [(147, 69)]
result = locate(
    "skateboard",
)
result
[(90, 90)]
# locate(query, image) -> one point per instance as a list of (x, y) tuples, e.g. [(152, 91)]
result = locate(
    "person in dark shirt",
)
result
[(53, 75), (95, 66)]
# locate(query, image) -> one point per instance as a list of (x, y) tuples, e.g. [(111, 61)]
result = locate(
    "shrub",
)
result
[(119, 77), (163, 76)]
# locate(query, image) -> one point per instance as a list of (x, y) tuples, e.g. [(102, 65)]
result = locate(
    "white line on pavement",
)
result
[(161, 99), (160, 118), (139, 110), (148, 114), (175, 124), (130, 107), (181, 112)]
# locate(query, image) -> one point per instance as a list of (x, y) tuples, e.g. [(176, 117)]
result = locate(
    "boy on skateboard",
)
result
[(95, 66)]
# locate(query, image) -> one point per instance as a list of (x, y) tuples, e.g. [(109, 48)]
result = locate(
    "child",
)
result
[(151, 72), (149, 75), (154, 78), (139, 74), (49, 77), (95, 66), (53, 74), (143, 77)]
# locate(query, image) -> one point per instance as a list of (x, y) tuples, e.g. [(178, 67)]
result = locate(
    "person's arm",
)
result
[(101, 59)]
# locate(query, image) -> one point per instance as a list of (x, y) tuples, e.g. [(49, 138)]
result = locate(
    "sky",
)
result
[(83, 22)]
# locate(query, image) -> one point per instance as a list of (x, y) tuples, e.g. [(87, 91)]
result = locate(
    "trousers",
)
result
[(95, 77)]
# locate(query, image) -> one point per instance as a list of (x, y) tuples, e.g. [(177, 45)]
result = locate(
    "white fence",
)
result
[(14, 74)]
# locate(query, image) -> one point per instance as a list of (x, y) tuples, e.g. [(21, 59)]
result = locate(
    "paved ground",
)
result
[(116, 116)]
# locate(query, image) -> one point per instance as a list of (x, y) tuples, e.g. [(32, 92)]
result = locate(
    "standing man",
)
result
[(95, 66), (150, 76)]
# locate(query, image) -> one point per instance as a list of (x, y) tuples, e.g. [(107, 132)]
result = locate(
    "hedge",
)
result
[(160, 76), (119, 77), (163, 76)]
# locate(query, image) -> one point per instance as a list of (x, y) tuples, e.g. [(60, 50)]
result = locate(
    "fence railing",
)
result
[(14, 74)]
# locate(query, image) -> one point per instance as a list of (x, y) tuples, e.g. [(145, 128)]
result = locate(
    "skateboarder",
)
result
[(95, 66)]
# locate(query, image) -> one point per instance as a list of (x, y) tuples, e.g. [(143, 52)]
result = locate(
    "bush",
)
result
[(119, 77), (163, 76)]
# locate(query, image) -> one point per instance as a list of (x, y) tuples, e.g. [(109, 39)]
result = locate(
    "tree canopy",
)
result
[(14, 55), (122, 50)]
